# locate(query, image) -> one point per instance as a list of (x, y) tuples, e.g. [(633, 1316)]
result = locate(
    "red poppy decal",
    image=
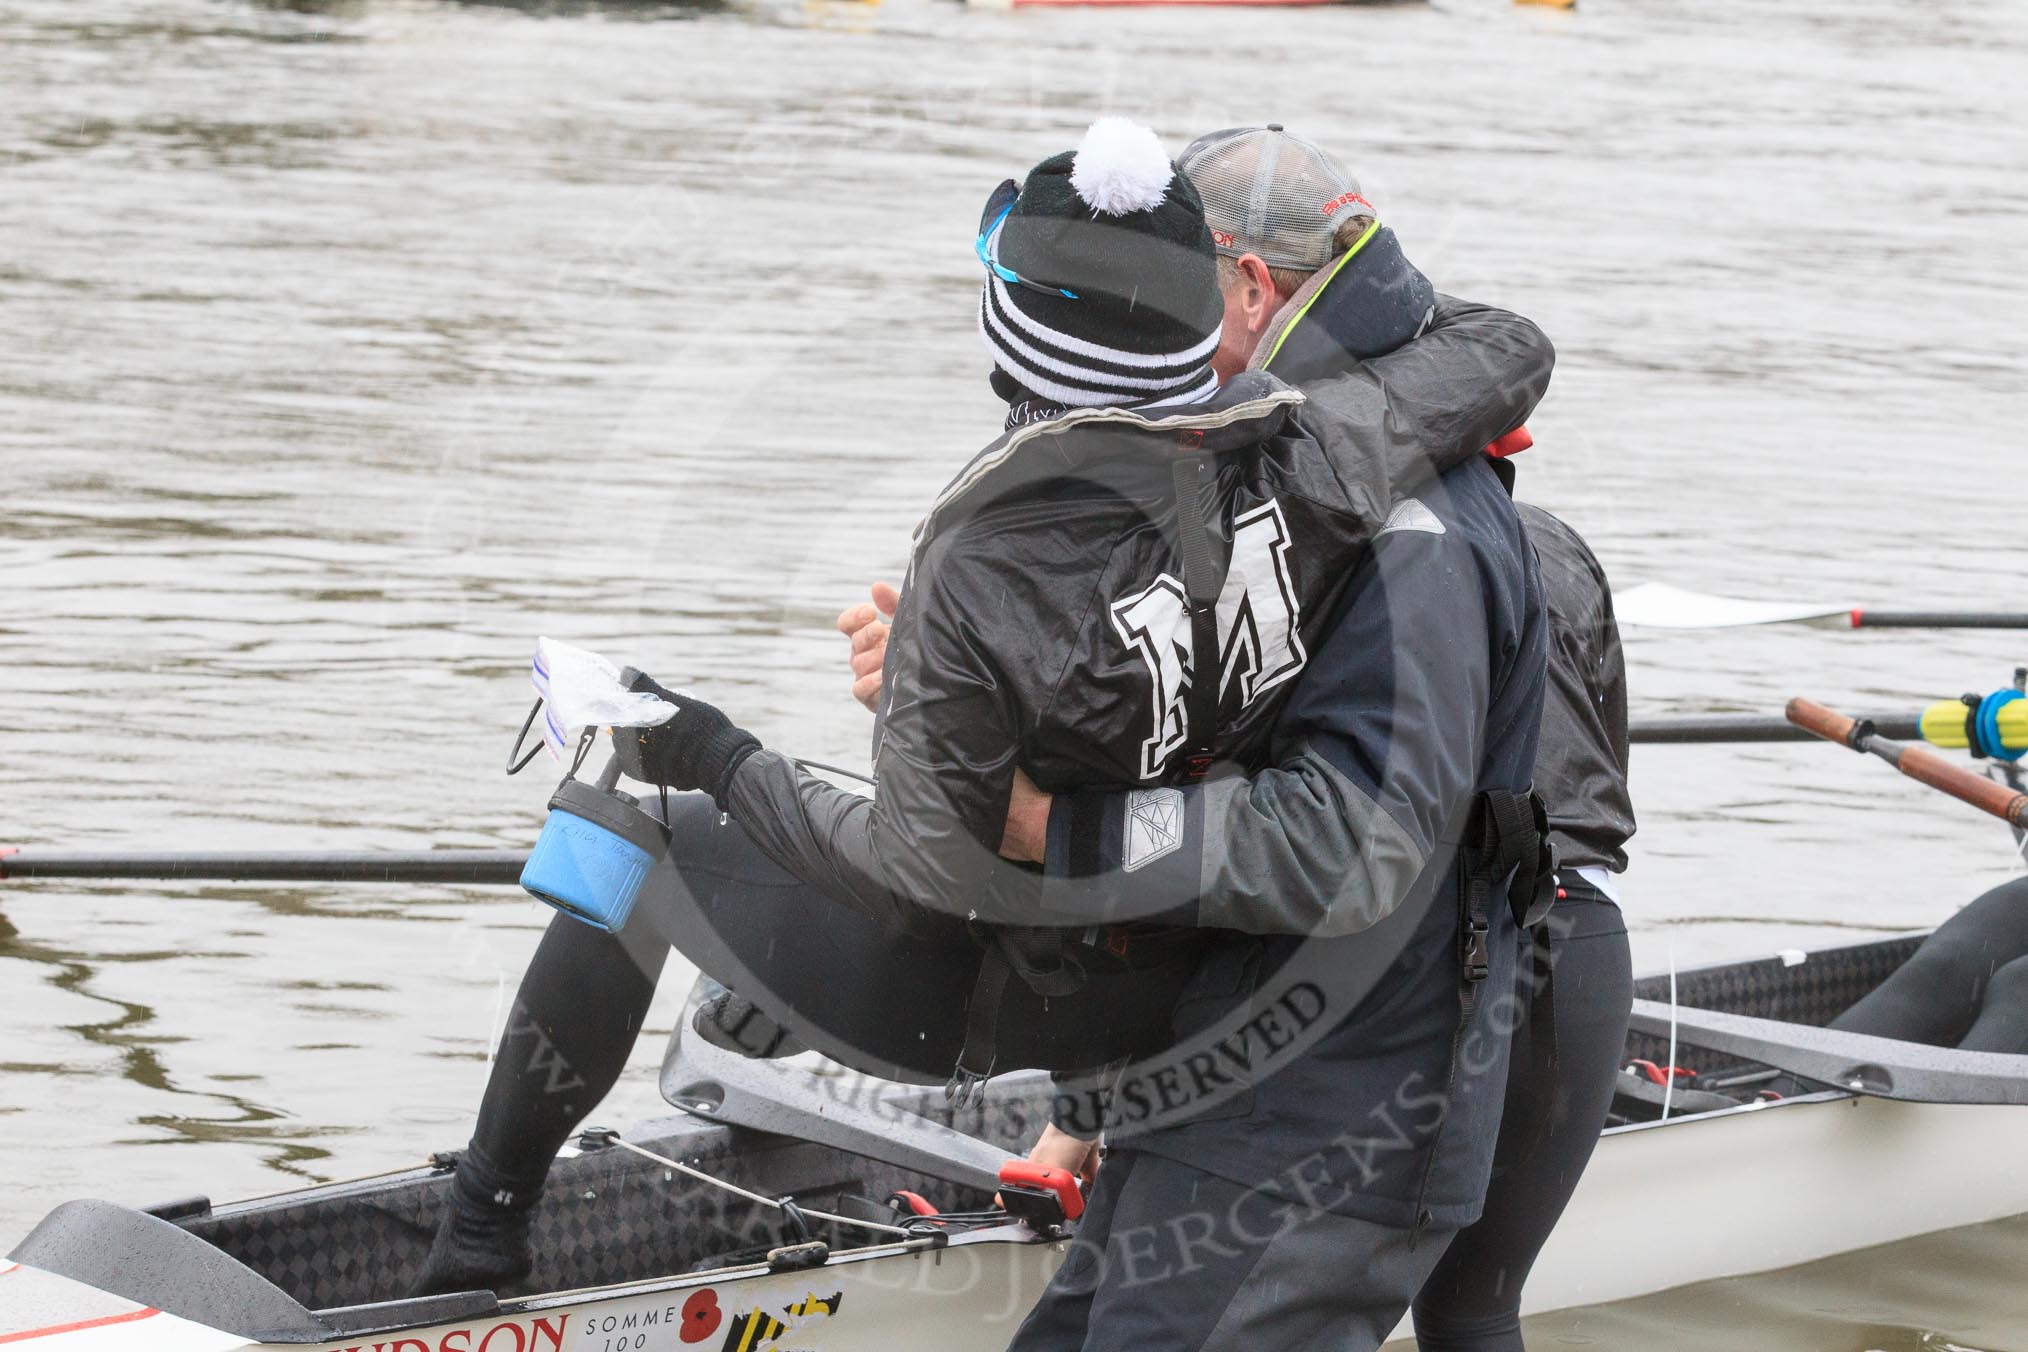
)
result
[(701, 1316)]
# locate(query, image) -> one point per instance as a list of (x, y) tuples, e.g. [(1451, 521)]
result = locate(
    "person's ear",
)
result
[(1258, 295)]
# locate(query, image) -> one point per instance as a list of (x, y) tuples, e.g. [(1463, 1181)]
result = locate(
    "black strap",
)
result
[(1544, 1054), (1041, 958), (967, 1084), (1203, 579), (1508, 835), (1974, 743)]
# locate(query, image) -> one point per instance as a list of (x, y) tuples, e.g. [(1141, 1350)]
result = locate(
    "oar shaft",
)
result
[(1938, 619), (367, 866), (1748, 728), (1923, 766)]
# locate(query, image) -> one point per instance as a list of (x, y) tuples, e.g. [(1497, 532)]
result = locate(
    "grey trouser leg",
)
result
[(1168, 1259)]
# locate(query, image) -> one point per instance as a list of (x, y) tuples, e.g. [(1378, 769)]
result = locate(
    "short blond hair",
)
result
[(1288, 281)]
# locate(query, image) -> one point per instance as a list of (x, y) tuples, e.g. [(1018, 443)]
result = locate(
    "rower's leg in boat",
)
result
[(1944, 994), (1940, 993), (573, 1023), (2003, 1018)]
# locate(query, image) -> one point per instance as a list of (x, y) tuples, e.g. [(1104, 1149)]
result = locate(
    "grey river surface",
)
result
[(350, 346)]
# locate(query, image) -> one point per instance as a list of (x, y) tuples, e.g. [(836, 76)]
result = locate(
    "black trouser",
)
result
[(1559, 1086), (1168, 1258), (1967, 986), (586, 994)]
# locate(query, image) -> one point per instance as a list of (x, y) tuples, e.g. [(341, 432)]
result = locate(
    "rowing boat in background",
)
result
[(1256, 4)]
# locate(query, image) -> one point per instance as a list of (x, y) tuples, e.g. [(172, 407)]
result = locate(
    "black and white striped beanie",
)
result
[(1115, 224)]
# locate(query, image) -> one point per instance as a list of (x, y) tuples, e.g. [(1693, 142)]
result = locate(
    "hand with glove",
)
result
[(699, 748)]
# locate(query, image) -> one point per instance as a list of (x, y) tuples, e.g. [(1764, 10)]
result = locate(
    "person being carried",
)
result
[(1137, 521)]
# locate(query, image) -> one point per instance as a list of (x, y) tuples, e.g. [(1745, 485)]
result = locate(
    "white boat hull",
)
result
[(969, 1295), (1669, 1204)]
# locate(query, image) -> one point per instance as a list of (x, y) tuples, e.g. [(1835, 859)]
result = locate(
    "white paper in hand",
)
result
[(580, 690)]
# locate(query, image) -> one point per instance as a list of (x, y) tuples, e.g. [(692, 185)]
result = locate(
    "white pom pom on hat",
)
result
[(1120, 167)]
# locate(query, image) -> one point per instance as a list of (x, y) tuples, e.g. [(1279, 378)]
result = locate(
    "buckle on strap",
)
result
[(1478, 957), (967, 1088)]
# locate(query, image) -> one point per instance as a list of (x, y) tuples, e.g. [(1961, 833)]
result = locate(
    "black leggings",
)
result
[(1967, 986), (581, 1005), (1555, 1108), (586, 994), (750, 924)]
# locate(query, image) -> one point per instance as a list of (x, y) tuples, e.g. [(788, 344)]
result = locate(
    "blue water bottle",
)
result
[(595, 851)]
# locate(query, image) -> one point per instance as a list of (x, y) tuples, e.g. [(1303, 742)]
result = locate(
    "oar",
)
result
[(1677, 730), (1942, 723), (283, 866), (1916, 762), (1947, 723), (1658, 605)]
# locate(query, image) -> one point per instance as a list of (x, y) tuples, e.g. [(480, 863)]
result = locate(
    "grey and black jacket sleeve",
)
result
[(1377, 761), (1398, 420), (944, 768), (1581, 769)]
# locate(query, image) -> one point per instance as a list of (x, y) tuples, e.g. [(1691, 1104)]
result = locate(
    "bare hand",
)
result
[(1027, 836), (867, 627), (1061, 1150)]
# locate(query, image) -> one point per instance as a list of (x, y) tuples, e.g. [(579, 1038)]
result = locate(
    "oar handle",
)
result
[(1925, 767), (1819, 721)]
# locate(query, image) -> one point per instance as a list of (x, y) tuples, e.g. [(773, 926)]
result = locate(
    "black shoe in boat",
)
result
[(481, 1243)]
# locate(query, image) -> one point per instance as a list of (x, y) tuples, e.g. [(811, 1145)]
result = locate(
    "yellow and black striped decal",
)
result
[(758, 1330)]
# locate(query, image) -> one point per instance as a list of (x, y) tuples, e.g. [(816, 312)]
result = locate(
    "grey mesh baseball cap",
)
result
[(1269, 193)]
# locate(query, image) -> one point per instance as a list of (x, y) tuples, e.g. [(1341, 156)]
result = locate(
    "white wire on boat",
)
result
[(1669, 1074), (736, 1190)]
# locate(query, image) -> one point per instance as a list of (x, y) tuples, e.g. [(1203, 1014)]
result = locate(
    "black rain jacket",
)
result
[(1041, 623)]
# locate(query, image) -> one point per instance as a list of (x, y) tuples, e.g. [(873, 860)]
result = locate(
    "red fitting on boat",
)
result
[(912, 1202), (1662, 1074), (1515, 442), (1028, 1179), (1858, 618)]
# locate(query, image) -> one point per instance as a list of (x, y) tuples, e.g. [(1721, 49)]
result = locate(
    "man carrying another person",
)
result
[(1055, 613), (1278, 853)]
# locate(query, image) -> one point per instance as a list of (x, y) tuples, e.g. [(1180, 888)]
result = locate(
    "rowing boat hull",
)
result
[(1668, 1204), (971, 1294), (1727, 1194), (1663, 1205), (1698, 1197)]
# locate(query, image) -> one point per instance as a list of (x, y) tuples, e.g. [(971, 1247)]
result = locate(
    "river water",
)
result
[(351, 345)]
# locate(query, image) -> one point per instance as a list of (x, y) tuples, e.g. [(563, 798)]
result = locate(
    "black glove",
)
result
[(697, 749)]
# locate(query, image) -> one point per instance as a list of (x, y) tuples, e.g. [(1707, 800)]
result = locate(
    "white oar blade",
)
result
[(1657, 605)]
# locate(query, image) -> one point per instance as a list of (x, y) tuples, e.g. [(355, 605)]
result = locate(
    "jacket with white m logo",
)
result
[(1042, 623)]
